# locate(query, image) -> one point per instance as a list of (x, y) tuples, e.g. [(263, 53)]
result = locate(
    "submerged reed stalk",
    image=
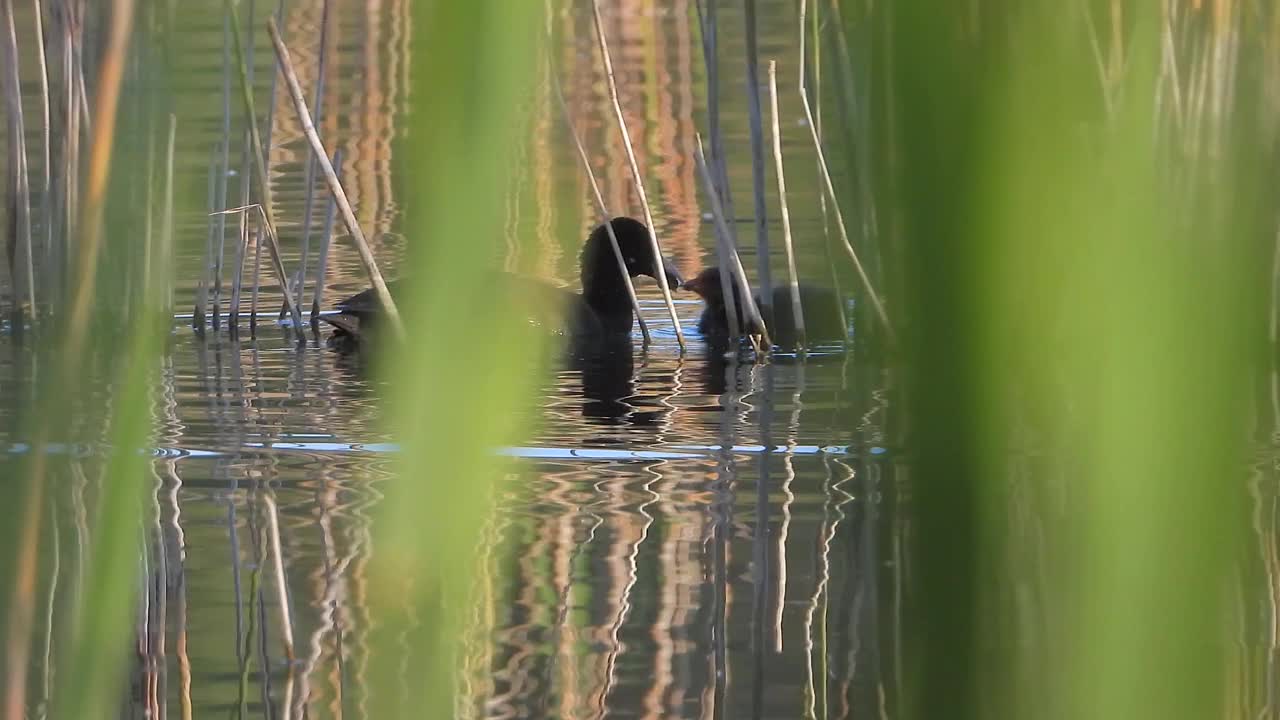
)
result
[(260, 166), (635, 171), (831, 196), (797, 313), (335, 187), (738, 274), (605, 216)]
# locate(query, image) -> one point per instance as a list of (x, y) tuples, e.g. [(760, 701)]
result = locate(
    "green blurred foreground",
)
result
[(1076, 223)]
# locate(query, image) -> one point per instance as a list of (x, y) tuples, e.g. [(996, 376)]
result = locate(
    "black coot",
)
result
[(821, 308), (600, 314)]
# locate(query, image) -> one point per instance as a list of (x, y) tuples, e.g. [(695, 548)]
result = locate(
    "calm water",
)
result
[(680, 538)]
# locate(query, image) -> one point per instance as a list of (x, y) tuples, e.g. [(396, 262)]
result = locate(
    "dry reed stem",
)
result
[(717, 212), (797, 313), (260, 166), (335, 187), (835, 204), (605, 216), (635, 172)]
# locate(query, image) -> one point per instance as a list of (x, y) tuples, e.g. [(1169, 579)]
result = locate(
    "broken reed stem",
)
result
[(605, 216), (335, 187), (635, 172), (282, 587), (260, 165), (322, 263), (317, 112), (764, 276), (831, 196), (20, 202), (738, 272), (797, 312)]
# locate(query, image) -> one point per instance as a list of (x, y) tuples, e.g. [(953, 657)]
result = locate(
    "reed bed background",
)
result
[(1059, 222)]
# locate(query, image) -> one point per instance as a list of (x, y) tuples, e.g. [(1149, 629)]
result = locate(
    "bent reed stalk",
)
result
[(605, 216), (635, 171), (335, 187), (831, 194), (738, 274)]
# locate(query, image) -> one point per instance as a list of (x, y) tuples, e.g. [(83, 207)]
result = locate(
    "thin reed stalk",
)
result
[(831, 195), (322, 264), (224, 167), (335, 187), (635, 171), (260, 165), (257, 283), (198, 318), (764, 276), (268, 132), (19, 242), (737, 272), (317, 112), (796, 311), (165, 300), (816, 26), (237, 273), (605, 216), (46, 214), (709, 27)]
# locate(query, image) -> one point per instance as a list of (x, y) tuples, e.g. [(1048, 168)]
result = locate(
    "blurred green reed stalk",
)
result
[(1085, 297), (466, 370), (97, 365)]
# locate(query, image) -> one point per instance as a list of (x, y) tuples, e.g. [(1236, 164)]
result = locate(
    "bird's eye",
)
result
[(631, 261)]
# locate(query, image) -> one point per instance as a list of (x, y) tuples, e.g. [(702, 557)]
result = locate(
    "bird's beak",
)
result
[(674, 281)]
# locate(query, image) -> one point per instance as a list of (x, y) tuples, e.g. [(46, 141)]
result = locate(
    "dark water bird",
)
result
[(821, 307), (600, 315)]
